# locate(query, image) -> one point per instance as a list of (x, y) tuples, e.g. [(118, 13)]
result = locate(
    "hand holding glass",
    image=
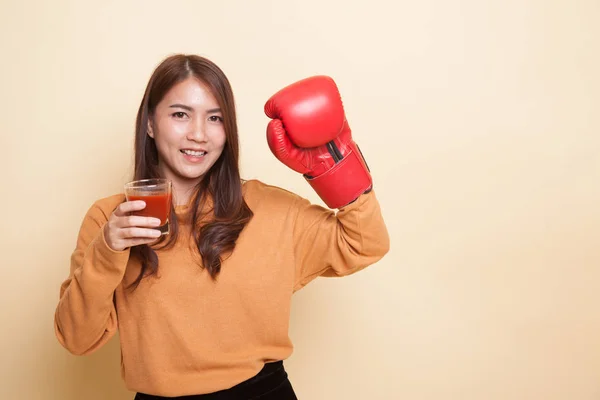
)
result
[(156, 193)]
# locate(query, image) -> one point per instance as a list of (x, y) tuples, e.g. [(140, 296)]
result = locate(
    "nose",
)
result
[(197, 131)]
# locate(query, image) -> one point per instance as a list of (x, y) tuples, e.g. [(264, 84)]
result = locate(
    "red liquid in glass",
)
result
[(157, 206)]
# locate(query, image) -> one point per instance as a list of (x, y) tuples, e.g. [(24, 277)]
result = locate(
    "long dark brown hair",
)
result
[(218, 212)]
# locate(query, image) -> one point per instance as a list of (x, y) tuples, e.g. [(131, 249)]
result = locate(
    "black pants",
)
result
[(271, 383)]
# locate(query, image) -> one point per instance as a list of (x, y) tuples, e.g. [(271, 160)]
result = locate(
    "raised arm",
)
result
[(310, 134)]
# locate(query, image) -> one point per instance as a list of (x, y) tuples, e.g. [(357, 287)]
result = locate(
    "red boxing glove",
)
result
[(309, 133)]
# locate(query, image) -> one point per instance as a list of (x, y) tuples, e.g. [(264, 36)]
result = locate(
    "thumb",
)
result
[(271, 109), (283, 148)]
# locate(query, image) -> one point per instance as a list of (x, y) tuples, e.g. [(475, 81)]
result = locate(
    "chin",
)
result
[(187, 173), (192, 175)]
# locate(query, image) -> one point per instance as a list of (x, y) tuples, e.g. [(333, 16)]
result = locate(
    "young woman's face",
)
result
[(187, 127)]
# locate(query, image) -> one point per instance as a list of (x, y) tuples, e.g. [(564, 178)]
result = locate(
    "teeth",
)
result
[(194, 153)]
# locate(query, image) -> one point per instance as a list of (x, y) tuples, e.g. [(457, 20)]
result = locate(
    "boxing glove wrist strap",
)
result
[(343, 183)]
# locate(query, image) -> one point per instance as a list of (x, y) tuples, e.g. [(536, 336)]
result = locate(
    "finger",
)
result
[(136, 220), (138, 242), (135, 233), (129, 206)]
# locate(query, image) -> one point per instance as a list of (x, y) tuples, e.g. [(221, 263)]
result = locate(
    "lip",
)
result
[(194, 159)]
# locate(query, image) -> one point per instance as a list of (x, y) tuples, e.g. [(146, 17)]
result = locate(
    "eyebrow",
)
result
[(188, 108)]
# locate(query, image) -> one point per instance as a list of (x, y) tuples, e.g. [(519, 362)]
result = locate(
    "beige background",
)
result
[(479, 120)]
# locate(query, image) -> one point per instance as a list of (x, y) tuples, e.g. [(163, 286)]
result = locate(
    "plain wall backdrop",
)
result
[(479, 121)]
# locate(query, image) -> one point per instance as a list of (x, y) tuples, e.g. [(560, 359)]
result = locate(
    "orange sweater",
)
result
[(182, 333)]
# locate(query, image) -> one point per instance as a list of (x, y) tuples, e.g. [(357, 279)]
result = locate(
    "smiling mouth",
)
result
[(193, 153)]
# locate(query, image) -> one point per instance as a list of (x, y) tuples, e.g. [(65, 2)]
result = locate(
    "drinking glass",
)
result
[(157, 195)]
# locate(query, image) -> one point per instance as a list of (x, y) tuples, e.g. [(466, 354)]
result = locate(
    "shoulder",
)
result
[(258, 193), (96, 216), (101, 209)]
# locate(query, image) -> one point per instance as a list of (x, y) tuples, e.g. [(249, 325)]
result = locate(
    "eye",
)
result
[(179, 115), (215, 118)]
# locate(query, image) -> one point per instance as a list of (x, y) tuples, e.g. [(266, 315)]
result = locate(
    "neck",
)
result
[(182, 193), (183, 189)]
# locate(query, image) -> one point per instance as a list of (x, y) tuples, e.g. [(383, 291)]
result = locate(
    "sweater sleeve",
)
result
[(86, 318), (331, 244)]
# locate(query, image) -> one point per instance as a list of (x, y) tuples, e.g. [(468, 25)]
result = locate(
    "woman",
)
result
[(204, 312)]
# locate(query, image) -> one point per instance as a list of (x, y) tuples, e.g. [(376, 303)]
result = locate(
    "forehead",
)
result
[(191, 92)]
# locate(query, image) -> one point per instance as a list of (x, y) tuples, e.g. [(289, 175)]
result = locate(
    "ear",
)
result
[(149, 129)]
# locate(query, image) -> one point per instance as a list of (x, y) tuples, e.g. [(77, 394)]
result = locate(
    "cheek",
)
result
[(169, 132), (218, 137)]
